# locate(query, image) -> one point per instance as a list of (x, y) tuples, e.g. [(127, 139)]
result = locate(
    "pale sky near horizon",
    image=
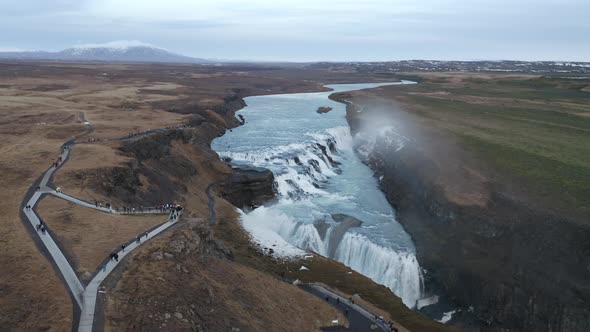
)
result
[(309, 30)]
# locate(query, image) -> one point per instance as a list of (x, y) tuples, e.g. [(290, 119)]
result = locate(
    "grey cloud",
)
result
[(313, 30)]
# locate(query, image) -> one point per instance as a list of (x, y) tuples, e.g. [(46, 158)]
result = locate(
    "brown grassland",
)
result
[(42, 105)]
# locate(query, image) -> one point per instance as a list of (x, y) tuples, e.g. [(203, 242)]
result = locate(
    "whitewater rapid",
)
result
[(320, 177)]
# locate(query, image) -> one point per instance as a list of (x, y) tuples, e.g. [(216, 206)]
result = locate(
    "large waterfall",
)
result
[(329, 201)]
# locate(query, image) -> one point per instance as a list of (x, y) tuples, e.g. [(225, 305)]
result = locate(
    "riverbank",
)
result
[(490, 183)]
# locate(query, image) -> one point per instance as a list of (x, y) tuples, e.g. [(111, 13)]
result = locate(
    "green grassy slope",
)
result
[(537, 129)]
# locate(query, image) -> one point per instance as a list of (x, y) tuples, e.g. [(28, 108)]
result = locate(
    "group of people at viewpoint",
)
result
[(169, 208), (162, 208)]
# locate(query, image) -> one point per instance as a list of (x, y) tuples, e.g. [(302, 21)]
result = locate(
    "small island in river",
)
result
[(323, 109)]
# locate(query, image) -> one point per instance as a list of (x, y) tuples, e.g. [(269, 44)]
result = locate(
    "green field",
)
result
[(534, 129)]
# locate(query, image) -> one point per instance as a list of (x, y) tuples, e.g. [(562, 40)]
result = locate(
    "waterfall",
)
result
[(399, 271)]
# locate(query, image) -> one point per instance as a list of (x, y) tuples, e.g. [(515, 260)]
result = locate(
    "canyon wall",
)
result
[(519, 266)]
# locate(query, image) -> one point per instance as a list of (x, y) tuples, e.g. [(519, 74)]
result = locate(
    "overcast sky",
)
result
[(309, 30)]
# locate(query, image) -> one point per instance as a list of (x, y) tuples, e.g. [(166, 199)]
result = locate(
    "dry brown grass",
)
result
[(216, 294), (89, 236), (88, 159), (32, 295), (38, 114)]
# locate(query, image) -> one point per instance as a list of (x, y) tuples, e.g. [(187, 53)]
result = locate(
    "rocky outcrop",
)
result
[(248, 187), (194, 240), (323, 109), (348, 221), (343, 223), (154, 159)]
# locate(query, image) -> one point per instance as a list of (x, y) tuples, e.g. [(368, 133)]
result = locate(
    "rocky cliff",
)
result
[(248, 187), (518, 266)]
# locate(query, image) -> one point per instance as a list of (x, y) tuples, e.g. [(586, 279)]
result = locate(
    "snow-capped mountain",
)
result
[(135, 53)]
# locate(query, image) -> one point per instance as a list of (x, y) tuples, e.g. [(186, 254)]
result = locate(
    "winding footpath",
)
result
[(85, 296)]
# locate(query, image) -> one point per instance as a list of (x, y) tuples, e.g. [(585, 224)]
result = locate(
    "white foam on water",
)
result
[(265, 227), (292, 182)]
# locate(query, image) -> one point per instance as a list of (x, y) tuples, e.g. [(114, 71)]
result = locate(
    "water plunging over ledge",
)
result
[(319, 176)]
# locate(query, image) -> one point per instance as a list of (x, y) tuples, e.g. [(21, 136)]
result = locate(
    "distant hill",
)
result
[(107, 54)]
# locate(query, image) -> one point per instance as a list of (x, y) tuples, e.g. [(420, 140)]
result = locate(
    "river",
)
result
[(318, 174)]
